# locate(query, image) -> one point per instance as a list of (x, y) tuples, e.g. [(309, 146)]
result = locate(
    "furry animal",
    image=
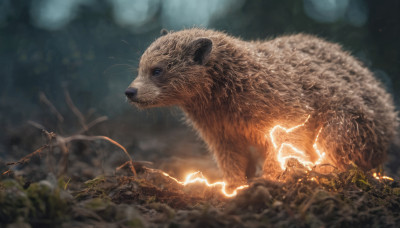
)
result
[(233, 92)]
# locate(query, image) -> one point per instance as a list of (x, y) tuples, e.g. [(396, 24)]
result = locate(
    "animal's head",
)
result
[(172, 70)]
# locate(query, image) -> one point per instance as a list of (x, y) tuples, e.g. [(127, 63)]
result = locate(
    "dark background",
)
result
[(92, 47)]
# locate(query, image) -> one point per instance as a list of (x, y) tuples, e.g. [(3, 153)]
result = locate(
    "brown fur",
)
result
[(233, 92)]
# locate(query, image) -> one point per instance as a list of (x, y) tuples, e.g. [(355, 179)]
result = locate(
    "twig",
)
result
[(65, 140), (53, 109), (50, 136), (62, 143), (140, 164), (93, 123), (36, 125), (50, 155), (6, 172), (27, 158), (75, 110), (123, 165)]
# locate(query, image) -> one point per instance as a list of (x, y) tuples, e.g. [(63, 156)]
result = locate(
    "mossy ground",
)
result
[(303, 199), (82, 184)]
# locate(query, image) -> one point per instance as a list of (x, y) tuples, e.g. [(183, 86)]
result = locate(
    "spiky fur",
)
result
[(245, 88)]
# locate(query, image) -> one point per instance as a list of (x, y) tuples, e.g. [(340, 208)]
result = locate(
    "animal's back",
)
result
[(342, 96)]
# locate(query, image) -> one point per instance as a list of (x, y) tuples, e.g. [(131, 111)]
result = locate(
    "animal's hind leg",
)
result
[(271, 167), (290, 143), (352, 140)]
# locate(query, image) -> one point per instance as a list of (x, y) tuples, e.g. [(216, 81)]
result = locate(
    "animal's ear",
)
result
[(200, 50), (163, 32)]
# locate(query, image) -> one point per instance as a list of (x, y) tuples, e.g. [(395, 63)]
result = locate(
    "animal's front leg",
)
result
[(233, 163)]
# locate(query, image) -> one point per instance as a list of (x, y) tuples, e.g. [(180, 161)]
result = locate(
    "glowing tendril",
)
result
[(380, 177), (297, 154), (197, 177)]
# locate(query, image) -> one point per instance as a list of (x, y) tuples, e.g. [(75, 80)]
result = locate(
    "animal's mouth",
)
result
[(141, 104)]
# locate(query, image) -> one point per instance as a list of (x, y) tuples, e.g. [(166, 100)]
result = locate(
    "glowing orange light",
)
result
[(197, 177), (301, 156), (379, 177), (314, 179), (297, 154)]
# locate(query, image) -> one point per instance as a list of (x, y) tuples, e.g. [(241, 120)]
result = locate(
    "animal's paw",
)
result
[(233, 184)]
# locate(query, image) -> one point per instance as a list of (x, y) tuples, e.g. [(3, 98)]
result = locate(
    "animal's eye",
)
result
[(156, 72)]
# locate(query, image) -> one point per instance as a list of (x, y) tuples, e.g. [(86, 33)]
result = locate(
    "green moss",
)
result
[(97, 204), (11, 183), (396, 191), (94, 188), (134, 223), (39, 202), (165, 209), (358, 177), (151, 199), (95, 182), (103, 207), (63, 182), (47, 201), (14, 202)]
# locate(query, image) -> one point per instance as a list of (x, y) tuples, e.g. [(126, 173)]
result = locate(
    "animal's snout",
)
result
[(131, 92)]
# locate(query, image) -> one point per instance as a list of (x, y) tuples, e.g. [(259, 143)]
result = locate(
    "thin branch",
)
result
[(93, 123), (140, 164), (75, 110), (53, 109), (63, 141), (36, 125), (91, 138), (50, 155), (49, 136), (123, 165), (28, 157)]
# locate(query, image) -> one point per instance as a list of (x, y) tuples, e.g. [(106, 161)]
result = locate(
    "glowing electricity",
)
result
[(379, 177), (301, 156), (197, 177), (297, 154)]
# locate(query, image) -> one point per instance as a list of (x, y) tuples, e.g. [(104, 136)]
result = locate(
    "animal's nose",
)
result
[(131, 92)]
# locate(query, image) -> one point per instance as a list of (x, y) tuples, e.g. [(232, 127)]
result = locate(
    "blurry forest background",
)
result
[(91, 49)]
